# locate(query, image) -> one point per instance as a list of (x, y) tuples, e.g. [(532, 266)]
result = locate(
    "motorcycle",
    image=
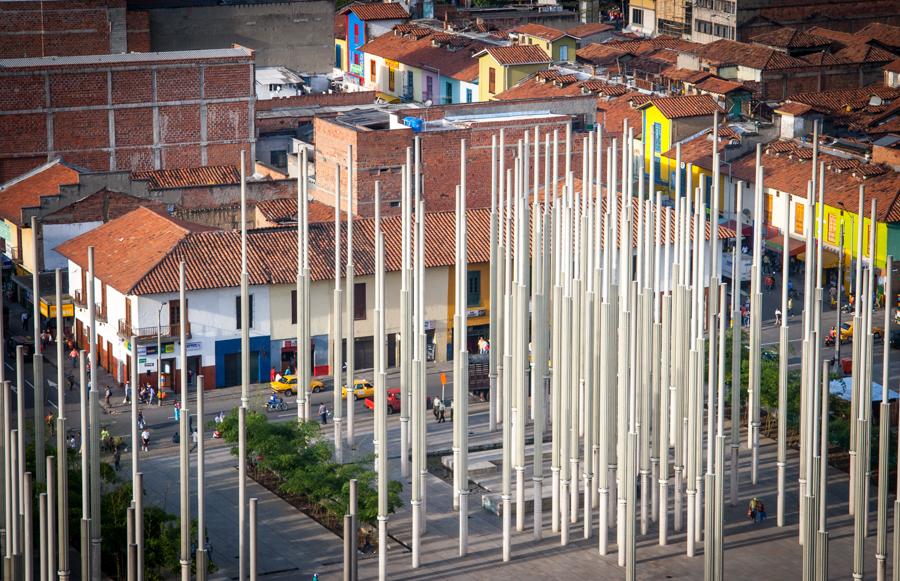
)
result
[(276, 406), (829, 341), (846, 308)]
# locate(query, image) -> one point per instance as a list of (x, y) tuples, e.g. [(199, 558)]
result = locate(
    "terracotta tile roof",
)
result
[(698, 151), (884, 34), (843, 38), (285, 210), (414, 30), (591, 28), (540, 31), (730, 52), (207, 175), (380, 11), (212, 259), (272, 252), (612, 114), (430, 52), (646, 45), (791, 108), (839, 100), (719, 86), (685, 75), (864, 53), (101, 206), (788, 168), (26, 190), (599, 54), (893, 66), (787, 37), (552, 83), (128, 248), (685, 106), (520, 54)]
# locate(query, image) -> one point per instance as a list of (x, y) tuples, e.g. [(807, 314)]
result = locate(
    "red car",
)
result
[(393, 401)]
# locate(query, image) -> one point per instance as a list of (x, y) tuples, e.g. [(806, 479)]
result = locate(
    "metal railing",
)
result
[(126, 331)]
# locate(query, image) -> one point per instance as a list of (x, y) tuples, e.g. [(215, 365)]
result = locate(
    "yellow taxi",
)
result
[(288, 385), (847, 332), (362, 388)]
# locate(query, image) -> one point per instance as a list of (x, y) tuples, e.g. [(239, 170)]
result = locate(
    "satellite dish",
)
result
[(427, 103)]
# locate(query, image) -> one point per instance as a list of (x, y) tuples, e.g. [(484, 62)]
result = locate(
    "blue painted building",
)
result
[(366, 22)]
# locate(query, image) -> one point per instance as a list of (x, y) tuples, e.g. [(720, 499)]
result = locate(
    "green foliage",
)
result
[(301, 461)]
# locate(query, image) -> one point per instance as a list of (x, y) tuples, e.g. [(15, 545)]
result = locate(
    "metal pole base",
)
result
[(416, 532), (382, 548), (603, 519), (507, 524), (463, 523), (202, 563), (538, 509), (554, 516), (520, 498)]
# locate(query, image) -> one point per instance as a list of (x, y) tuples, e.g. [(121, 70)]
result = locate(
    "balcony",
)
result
[(146, 334), (100, 312), (15, 254), (79, 300)]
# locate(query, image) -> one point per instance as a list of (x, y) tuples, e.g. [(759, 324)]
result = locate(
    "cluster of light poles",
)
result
[(607, 309)]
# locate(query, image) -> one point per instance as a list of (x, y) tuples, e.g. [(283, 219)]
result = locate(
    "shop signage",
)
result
[(68, 310), (356, 69), (191, 346), (475, 312), (393, 65)]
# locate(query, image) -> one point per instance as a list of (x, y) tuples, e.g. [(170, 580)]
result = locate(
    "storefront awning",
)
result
[(795, 247), (829, 259)]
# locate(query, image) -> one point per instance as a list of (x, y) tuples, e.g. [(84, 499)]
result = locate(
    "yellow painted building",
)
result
[(478, 301), (340, 54), (558, 45), (501, 67), (668, 121)]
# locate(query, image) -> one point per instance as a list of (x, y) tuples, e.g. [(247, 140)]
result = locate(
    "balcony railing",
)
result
[(79, 299), (126, 331), (100, 312)]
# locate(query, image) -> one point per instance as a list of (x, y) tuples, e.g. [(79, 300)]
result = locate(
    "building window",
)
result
[(564, 53), (278, 157), (703, 26), (722, 31), (832, 229), (547, 45), (726, 6), (448, 91), (492, 80), (637, 16), (372, 69), (473, 288), (468, 95), (338, 54), (770, 203), (237, 311), (391, 80), (359, 301), (799, 210), (428, 87), (356, 33)]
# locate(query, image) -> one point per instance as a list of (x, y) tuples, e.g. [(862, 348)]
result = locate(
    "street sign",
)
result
[(443, 378)]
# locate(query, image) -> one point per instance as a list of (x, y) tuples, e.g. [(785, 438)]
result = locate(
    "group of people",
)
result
[(484, 346), (756, 511), (275, 375), (439, 409)]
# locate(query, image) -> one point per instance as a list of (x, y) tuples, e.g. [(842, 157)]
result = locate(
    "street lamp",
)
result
[(159, 354)]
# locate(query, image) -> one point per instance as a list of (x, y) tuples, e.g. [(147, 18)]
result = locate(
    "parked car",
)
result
[(362, 388), (288, 385), (847, 332)]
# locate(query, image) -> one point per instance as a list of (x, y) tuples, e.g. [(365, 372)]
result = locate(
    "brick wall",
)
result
[(138, 30), (378, 156), (60, 28), (105, 116)]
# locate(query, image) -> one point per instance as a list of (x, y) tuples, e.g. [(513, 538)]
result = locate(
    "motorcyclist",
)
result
[(274, 400)]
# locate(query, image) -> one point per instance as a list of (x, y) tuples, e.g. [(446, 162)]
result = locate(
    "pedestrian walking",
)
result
[(152, 394), (117, 458), (145, 440), (24, 319), (482, 346), (751, 510), (107, 395), (760, 511), (441, 411), (272, 374), (127, 398), (790, 306), (73, 355), (195, 437), (777, 316), (177, 411), (140, 420), (323, 413), (436, 407)]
